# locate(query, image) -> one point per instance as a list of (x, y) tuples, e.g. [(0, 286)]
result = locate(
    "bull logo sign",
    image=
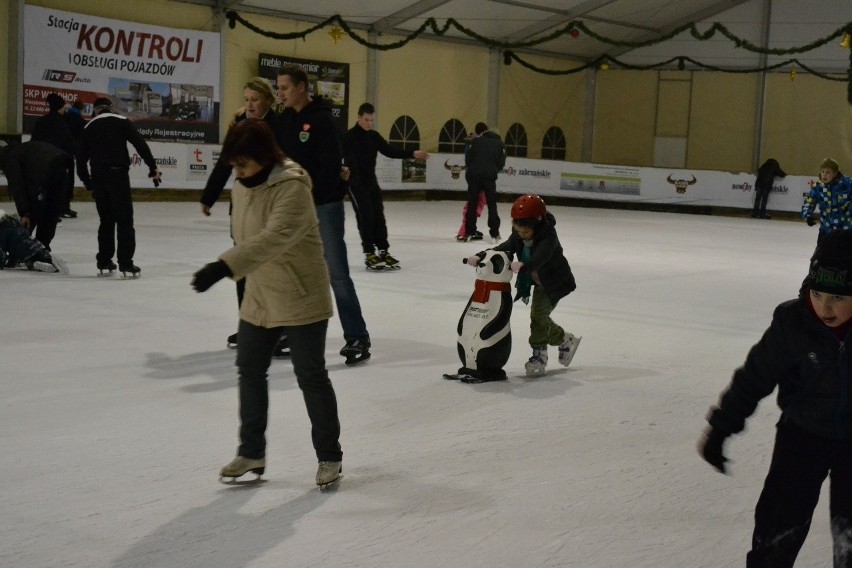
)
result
[(681, 184), (455, 169)]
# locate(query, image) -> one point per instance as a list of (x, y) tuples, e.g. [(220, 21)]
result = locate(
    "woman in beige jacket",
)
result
[(279, 252)]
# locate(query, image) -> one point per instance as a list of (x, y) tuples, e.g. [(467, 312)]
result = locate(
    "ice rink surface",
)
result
[(119, 406)]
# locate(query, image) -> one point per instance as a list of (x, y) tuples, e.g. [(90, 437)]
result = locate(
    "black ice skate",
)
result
[(391, 263), (356, 351), (130, 271), (373, 262), (282, 348), (106, 268), (232, 341), (240, 466)]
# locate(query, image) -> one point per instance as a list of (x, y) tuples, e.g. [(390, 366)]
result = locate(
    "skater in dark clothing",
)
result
[(76, 123), (803, 354), (543, 272), (18, 248), (483, 161), (766, 174), (278, 250), (53, 129), (361, 146), (311, 139), (104, 144), (36, 175)]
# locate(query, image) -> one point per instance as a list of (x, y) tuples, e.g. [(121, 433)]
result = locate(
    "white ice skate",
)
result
[(568, 348), (240, 466), (535, 367), (328, 473)]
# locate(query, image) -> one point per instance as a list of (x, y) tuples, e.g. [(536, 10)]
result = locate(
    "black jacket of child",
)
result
[(548, 264), (811, 368)]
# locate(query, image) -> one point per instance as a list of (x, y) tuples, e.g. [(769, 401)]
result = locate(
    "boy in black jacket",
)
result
[(804, 354), (544, 272)]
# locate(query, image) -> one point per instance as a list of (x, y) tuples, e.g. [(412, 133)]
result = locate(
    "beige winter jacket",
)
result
[(279, 251)]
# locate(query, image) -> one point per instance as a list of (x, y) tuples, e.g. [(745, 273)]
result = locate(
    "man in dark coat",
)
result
[(767, 172), (361, 146), (36, 172), (53, 129), (483, 161), (104, 144)]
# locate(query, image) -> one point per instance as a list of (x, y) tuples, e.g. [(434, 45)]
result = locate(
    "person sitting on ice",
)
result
[(543, 272), (19, 249)]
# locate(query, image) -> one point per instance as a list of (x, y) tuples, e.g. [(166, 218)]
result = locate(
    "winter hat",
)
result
[(831, 265), (55, 102)]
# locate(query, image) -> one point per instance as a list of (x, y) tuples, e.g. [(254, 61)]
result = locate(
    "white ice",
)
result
[(119, 406)]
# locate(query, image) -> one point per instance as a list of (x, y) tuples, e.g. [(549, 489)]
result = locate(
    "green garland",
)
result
[(508, 55)]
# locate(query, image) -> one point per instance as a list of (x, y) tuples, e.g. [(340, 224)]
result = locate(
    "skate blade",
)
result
[(103, 274), (241, 482), (352, 361), (130, 276), (332, 485), (471, 380), (454, 376)]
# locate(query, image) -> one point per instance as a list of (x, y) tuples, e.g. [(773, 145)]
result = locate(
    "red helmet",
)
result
[(529, 207)]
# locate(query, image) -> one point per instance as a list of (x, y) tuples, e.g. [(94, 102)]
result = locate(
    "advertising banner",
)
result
[(326, 78), (166, 80)]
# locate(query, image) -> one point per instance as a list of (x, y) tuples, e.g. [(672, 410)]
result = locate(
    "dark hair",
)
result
[(366, 108), (296, 74), (480, 127), (251, 138)]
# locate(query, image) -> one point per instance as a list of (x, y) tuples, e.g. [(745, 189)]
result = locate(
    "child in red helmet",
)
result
[(543, 273)]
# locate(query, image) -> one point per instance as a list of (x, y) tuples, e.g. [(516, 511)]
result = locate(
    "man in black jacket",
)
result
[(311, 138), (36, 174), (53, 129), (483, 160), (104, 145), (361, 146), (766, 174)]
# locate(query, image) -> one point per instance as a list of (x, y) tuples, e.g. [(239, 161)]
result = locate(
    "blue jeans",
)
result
[(307, 348), (331, 227)]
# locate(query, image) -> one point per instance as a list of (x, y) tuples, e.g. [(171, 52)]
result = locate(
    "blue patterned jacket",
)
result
[(833, 201)]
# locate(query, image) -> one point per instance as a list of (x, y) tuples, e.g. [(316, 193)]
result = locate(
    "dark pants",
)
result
[(761, 197), (17, 243), (111, 190), (475, 184), (800, 464), (370, 214), (68, 194), (45, 214), (307, 347)]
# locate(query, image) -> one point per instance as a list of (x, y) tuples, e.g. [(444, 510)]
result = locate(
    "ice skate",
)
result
[(106, 268), (328, 473), (373, 262), (535, 367), (130, 271), (476, 236), (232, 341), (461, 238), (495, 238), (390, 262), (356, 351), (568, 348), (282, 348), (240, 466), (46, 262)]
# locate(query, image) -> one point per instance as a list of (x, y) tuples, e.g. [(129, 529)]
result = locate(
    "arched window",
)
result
[(404, 134), (451, 140), (516, 141), (553, 145)]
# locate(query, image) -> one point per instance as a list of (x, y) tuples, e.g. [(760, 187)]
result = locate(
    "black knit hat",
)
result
[(54, 101), (831, 265)]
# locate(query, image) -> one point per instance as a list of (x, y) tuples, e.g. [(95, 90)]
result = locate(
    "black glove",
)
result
[(209, 275), (155, 176), (711, 448), (811, 221)]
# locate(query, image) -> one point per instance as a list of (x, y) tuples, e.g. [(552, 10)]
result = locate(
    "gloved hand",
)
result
[(155, 176), (711, 448), (209, 275), (474, 260), (811, 221), (516, 266)]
